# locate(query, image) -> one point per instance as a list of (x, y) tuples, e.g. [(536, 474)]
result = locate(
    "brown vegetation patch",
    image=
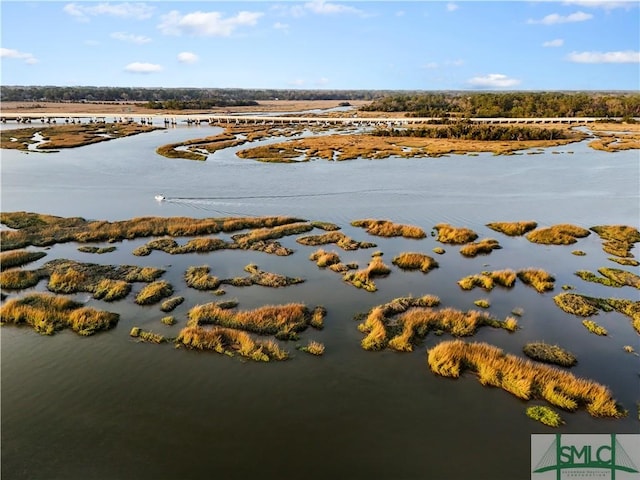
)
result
[(47, 314), (324, 259), (618, 239), (339, 238), (364, 278), (42, 230), (513, 229), (154, 292), (454, 235), (585, 306), (523, 378), (18, 258), (488, 280), (537, 278), (399, 324), (543, 352), (70, 136), (484, 246), (385, 228), (415, 261), (562, 234), (611, 277)]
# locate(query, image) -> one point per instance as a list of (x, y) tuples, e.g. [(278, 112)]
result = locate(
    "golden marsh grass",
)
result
[(561, 234), (364, 278), (537, 278), (17, 258), (513, 229), (523, 378), (199, 278), (324, 259), (484, 246), (339, 238), (154, 292), (386, 228), (170, 304), (545, 415), (454, 235), (618, 239), (47, 314), (488, 280), (19, 279), (415, 261)]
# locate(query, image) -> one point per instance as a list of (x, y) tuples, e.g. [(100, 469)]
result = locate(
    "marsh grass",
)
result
[(268, 279), (111, 290), (317, 317), (618, 239), (105, 282), (537, 278), (561, 234), (18, 258), (42, 230), (513, 229), (154, 292), (630, 262), (170, 304), (620, 277), (415, 261), (543, 352), (593, 327), (20, 279), (438, 250), (364, 278), (415, 324), (168, 320), (230, 341), (326, 226), (283, 321), (170, 246), (375, 322), (454, 235), (488, 280), (47, 314), (386, 228), (147, 336), (97, 250), (578, 253), (244, 240), (338, 238), (484, 246), (314, 348), (545, 415), (522, 378), (482, 303), (324, 259), (199, 278), (576, 304)]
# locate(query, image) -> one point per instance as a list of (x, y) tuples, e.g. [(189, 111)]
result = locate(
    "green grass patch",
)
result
[(545, 415)]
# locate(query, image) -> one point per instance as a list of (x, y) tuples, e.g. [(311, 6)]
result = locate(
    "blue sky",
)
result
[(318, 44)]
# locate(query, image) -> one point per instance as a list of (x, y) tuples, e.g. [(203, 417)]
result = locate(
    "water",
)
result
[(106, 407)]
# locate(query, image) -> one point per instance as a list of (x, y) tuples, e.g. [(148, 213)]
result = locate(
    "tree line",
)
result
[(511, 104), (473, 131)]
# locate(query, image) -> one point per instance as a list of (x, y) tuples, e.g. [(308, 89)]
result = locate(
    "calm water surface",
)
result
[(107, 407)]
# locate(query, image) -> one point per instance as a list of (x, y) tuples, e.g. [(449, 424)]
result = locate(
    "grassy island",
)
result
[(523, 378)]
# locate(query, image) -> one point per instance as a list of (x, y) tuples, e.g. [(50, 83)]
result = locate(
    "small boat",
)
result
[(160, 198)]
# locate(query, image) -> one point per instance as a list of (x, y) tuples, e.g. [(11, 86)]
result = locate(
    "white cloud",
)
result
[(141, 67), (130, 37), (82, 11), (18, 55), (493, 80), (187, 57), (628, 56), (455, 63), (328, 8), (322, 81), (555, 18), (206, 24), (281, 26), (558, 42), (452, 7), (400, 13)]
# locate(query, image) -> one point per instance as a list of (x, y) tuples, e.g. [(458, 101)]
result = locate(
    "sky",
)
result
[(322, 44)]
